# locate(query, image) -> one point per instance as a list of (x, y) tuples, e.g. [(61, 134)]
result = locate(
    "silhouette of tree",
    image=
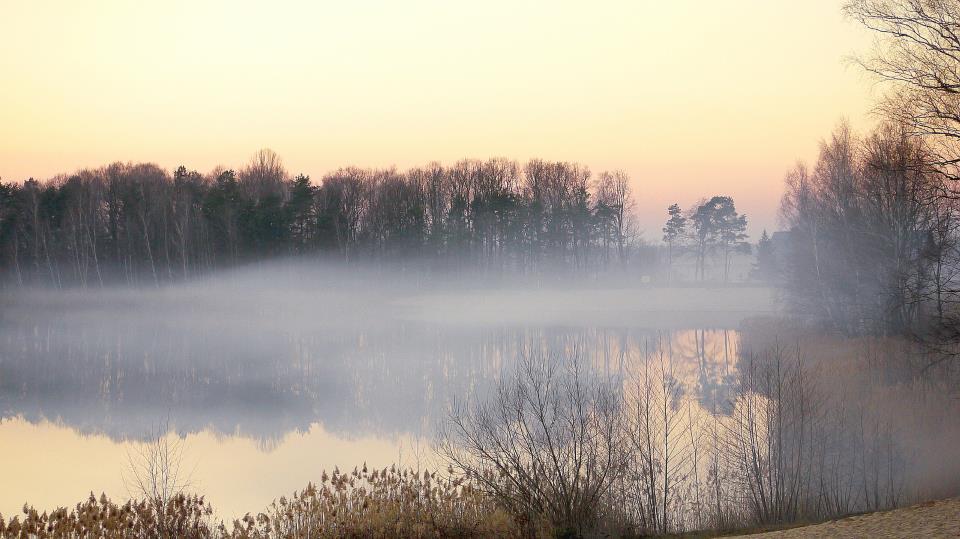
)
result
[(716, 225), (673, 234), (765, 267), (917, 54)]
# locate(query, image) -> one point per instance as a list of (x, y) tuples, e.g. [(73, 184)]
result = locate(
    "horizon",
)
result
[(405, 86)]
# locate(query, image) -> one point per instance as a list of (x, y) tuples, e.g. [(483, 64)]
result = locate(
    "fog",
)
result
[(490, 347), (272, 373), (266, 350), (275, 350)]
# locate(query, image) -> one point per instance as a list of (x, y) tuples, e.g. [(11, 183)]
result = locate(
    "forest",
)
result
[(841, 400), (137, 224)]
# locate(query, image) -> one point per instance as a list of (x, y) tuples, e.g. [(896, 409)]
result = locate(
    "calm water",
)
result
[(267, 394)]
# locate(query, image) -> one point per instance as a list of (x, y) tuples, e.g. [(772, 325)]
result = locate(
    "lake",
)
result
[(264, 386)]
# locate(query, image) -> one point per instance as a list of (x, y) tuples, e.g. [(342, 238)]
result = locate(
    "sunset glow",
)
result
[(691, 98)]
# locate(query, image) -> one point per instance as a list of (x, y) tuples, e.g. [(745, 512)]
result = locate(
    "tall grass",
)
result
[(183, 516), (364, 503), (380, 503)]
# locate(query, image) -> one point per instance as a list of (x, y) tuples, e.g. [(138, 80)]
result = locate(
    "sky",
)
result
[(691, 98)]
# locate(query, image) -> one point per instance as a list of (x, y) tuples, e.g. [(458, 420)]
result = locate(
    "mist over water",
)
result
[(274, 373), (585, 333)]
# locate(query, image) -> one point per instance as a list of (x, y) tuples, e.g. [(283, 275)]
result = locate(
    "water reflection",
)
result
[(50, 465), (265, 404)]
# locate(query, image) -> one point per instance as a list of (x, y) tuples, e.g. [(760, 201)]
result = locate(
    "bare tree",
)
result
[(155, 474), (918, 53), (770, 436), (655, 421), (869, 233), (264, 175), (614, 198), (547, 445)]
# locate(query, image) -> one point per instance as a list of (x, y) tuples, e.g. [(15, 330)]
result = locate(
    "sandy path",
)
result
[(932, 519)]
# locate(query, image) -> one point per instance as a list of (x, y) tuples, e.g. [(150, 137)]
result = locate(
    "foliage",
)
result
[(717, 227), (766, 267), (136, 224)]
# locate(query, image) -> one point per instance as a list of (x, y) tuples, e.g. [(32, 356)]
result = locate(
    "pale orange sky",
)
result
[(692, 98)]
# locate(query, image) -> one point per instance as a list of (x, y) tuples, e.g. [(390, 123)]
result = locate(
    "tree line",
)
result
[(140, 225), (136, 223)]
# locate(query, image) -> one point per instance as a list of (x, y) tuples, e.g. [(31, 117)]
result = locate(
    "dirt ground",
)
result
[(931, 519)]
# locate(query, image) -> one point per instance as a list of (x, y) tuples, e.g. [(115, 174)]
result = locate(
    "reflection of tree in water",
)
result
[(240, 378), (714, 357), (704, 361)]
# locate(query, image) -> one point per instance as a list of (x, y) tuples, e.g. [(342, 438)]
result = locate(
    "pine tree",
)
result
[(673, 233), (765, 267)]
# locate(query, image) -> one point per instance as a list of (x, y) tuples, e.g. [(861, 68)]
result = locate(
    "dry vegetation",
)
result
[(364, 503)]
